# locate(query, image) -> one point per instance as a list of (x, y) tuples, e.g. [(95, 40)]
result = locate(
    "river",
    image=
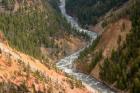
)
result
[(66, 64)]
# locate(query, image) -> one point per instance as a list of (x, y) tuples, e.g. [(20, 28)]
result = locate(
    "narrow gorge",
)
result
[(66, 64)]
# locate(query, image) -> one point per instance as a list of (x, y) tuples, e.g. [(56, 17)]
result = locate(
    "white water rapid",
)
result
[(66, 64)]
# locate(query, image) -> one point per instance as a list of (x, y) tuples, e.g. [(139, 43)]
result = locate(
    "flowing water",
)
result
[(66, 64)]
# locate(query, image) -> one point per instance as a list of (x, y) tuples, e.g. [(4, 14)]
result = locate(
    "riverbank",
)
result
[(66, 64)]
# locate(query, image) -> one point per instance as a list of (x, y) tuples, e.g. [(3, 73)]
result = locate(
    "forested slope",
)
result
[(114, 57), (89, 11), (30, 26), (124, 63), (33, 35)]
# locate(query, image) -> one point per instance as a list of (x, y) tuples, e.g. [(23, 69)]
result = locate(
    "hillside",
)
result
[(88, 12), (126, 59), (37, 29), (22, 73), (33, 36), (113, 58)]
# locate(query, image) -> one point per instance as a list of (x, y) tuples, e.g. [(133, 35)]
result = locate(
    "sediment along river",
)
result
[(66, 64)]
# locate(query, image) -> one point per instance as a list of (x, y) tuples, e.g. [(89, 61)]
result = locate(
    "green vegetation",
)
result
[(88, 49), (82, 59), (8, 4), (74, 83), (124, 65), (88, 11), (55, 4), (95, 60), (122, 69), (29, 29), (12, 88)]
